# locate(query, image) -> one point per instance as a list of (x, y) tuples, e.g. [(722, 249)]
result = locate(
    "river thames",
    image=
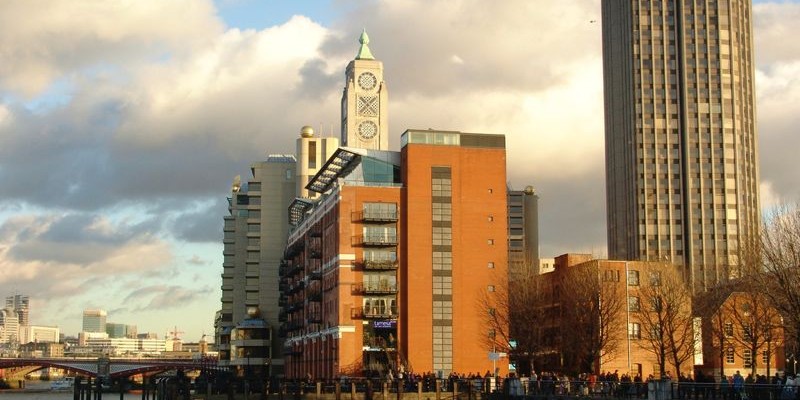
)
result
[(39, 390)]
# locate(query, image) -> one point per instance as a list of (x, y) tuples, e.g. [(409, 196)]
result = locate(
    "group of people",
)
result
[(760, 387)]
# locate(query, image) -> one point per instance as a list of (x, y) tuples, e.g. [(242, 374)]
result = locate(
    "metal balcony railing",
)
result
[(374, 288), (376, 216), (376, 240), (378, 264), (373, 312)]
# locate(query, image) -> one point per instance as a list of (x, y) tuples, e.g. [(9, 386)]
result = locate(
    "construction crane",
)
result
[(175, 333)]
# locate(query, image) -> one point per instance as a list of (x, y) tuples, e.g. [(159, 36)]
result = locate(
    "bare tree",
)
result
[(756, 325), (591, 308), (521, 313), (667, 325), (774, 264)]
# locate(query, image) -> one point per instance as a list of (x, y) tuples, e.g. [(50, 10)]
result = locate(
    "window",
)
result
[(312, 155), (442, 236), (442, 211), (490, 288), (490, 218), (656, 304), (748, 332), (490, 265), (633, 303), (729, 356), (633, 278), (611, 275), (490, 241), (491, 191), (728, 329), (380, 210), (655, 278), (442, 260), (765, 357), (747, 355), (634, 330), (441, 187)]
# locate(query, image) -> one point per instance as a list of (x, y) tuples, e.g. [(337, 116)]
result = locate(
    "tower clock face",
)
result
[(367, 130), (367, 81)]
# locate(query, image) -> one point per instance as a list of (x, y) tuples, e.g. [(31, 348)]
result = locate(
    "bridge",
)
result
[(109, 368)]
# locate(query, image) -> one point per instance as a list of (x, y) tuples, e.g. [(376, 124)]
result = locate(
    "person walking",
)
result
[(738, 386)]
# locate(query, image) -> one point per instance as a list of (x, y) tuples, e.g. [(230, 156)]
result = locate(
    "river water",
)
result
[(39, 390)]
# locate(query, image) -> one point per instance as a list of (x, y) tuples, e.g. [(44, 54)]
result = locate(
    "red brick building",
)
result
[(384, 271)]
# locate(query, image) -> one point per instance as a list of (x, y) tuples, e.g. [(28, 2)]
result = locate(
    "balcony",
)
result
[(315, 296), (373, 312), (315, 275), (375, 216), (375, 240), (374, 288), (315, 318), (377, 265), (315, 253)]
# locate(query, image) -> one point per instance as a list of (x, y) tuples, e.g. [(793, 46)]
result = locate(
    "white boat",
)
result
[(65, 383)]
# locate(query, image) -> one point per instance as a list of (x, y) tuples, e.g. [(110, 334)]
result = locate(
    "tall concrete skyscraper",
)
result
[(681, 148)]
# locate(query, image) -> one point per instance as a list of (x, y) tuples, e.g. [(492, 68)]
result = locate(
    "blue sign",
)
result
[(383, 324)]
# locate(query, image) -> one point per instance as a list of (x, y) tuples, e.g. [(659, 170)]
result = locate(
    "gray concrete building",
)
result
[(523, 232), (254, 236), (681, 148)]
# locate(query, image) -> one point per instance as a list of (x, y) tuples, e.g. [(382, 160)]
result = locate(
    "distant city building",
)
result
[(147, 335), (21, 305), (94, 321), (125, 346), (523, 232), (116, 330), (42, 349), (9, 326), (39, 334), (84, 337), (680, 127)]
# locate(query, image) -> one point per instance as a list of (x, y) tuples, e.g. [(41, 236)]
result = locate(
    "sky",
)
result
[(123, 123)]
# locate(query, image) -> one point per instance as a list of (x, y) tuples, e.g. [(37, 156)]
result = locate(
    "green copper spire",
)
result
[(363, 52)]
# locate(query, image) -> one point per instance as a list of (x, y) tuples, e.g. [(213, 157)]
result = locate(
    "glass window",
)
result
[(634, 330), (729, 356), (633, 278), (747, 355), (633, 303), (655, 278)]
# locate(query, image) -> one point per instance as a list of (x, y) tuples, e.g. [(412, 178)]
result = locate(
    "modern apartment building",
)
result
[(523, 232), (386, 270), (254, 236), (681, 147)]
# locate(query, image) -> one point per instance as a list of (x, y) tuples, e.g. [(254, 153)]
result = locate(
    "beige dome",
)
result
[(306, 132)]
